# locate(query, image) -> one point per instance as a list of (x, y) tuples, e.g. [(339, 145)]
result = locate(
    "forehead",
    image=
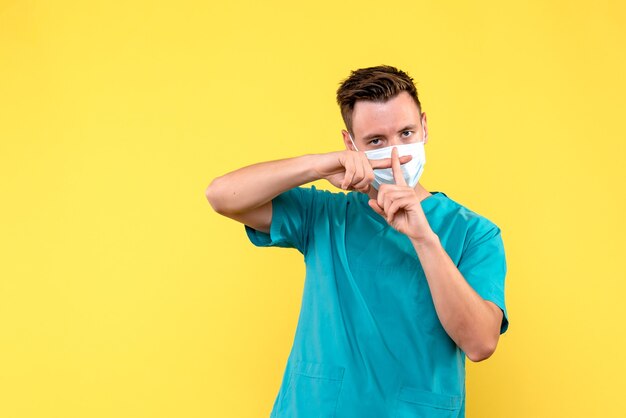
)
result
[(391, 115)]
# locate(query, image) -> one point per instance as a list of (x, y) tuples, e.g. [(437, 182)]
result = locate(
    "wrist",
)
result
[(424, 241), (324, 165)]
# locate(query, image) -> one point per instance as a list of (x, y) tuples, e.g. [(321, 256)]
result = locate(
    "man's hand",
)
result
[(352, 170), (399, 205)]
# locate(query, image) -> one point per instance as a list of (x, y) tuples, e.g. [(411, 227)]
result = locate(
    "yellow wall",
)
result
[(123, 295)]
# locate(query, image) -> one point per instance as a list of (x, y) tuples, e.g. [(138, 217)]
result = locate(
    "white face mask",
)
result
[(411, 171)]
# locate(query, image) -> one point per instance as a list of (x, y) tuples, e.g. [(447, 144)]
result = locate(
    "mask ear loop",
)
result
[(353, 144)]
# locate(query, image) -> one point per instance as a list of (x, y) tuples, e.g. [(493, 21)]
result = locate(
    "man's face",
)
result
[(383, 124)]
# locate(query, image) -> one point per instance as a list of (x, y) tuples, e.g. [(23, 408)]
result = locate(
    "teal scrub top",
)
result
[(368, 341)]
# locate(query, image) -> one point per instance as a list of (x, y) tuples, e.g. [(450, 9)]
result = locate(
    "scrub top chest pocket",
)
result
[(312, 391)]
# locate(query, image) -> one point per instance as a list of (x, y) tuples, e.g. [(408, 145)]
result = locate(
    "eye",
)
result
[(375, 141), (406, 136)]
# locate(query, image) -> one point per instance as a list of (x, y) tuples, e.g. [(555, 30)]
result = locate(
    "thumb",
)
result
[(374, 205)]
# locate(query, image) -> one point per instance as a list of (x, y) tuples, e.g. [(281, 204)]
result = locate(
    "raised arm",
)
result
[(246, 194)]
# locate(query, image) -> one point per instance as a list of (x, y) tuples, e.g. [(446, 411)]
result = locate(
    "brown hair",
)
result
[(378, 84)]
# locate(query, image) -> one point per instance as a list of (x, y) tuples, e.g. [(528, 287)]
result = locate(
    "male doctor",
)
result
[(401, 283)]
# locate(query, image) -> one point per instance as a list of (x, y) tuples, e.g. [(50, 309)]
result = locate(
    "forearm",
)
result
[(250, 187), (464, 314)]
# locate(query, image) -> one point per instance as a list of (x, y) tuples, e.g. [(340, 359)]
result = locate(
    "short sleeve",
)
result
[(483, 265), (291, 220)]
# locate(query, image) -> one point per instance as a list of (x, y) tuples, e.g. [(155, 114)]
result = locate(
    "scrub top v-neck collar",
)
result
[(427, 204)]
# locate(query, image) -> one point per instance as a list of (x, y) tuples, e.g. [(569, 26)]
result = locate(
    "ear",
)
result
[(425, 127), (346, 140)]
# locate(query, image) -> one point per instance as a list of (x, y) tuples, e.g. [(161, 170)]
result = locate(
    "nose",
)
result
[(396, 140), (399, 140)]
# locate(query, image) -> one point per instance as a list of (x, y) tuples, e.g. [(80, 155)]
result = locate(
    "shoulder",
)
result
[(313, 192), (475, 224), (311, 198)]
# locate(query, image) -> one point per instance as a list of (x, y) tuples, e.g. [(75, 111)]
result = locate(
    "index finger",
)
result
[(395, 167), (386, 162)]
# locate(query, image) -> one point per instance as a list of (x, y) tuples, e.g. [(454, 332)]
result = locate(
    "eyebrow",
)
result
[(370, 136)]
